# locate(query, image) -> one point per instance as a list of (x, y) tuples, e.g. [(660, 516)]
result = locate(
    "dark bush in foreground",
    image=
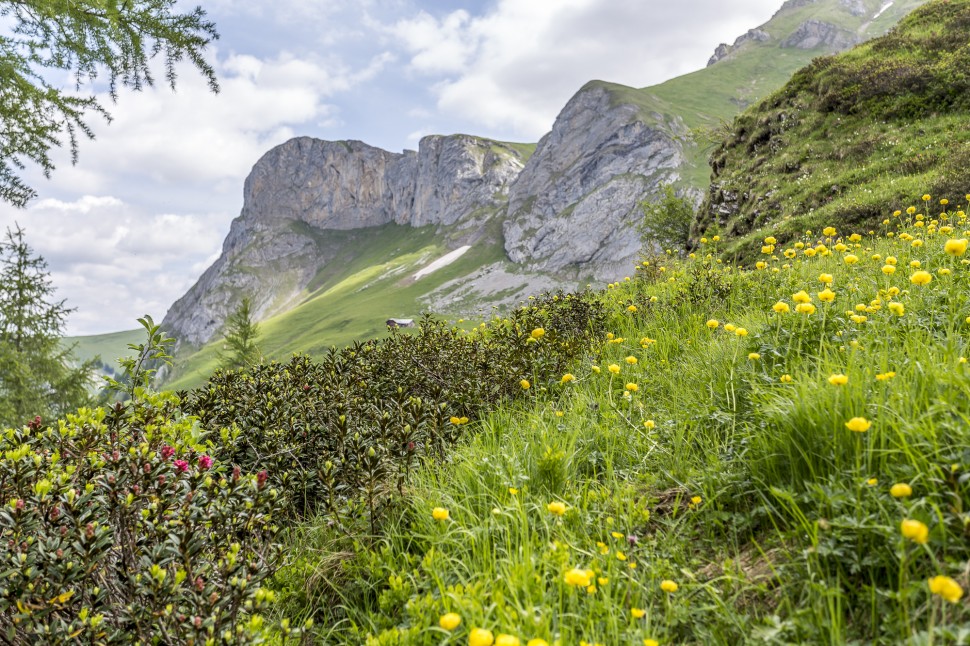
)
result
[(341, 436), (117, 528)]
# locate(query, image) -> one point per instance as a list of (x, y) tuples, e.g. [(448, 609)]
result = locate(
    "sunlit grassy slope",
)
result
[(849, 136), (706, 100), (352, 298), (769, 455), (110, 347)]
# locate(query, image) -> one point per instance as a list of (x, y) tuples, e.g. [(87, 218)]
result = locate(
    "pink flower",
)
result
[(261, 479), (205, 462), (181, 465), (167, 452)]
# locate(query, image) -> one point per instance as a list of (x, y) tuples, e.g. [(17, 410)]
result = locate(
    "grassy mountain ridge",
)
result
[(708, 99), (850, 138)]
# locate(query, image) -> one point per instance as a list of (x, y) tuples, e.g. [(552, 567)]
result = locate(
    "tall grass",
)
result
[(729, 469)]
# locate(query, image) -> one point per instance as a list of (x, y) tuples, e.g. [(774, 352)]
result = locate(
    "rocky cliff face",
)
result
[(305, 187), (574, 206)]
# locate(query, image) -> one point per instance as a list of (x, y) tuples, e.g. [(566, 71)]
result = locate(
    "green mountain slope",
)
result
[(353, 297), (707, 98), (109, 347), (849, 136)]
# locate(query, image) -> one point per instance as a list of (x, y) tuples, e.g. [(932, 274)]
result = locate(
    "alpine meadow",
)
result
[(694, 368)]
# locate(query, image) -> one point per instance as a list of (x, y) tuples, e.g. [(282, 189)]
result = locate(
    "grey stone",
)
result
[(575, 206)]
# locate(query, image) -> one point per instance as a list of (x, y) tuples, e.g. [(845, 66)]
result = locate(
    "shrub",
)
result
[(342, 436), (118, 528)]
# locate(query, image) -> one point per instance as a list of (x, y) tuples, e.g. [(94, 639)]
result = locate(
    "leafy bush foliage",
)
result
[(342, 436), (117, 527)]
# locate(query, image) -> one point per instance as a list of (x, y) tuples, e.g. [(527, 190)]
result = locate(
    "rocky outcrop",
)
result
[(575, 205), (305, 187), (814, 34), (724, 50)]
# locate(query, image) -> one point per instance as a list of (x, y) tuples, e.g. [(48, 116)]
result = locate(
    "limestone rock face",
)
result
[(812, 34), (306, 187), (723, 50), (575, 206)]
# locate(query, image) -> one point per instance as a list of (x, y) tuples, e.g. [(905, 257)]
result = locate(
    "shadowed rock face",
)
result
[(575, 205), (308, 186)]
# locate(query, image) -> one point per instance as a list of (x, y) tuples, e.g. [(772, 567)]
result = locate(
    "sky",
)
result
[(129, 228)]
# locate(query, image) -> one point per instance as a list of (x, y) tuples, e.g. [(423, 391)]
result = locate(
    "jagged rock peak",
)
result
[(723, 50)]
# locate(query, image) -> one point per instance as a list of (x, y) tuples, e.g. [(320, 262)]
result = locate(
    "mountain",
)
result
[(526, 218), (301, 192), (849, 136)]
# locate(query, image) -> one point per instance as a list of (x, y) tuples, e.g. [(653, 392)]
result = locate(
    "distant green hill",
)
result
[(109, 347), (850, 136)]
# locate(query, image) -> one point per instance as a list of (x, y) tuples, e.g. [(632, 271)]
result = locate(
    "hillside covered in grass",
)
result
[(775, 455), (849, 136)]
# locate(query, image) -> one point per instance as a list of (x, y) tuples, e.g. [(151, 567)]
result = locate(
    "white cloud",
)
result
[(513, 68), (115, 262)]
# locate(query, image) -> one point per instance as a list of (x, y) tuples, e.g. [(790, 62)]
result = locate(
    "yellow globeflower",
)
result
[(946, 587), (785, 379), (741, 332), (901, 490), (730, 327), (914, 530), (801, 297), (770, 240), (638, 613), (566, 378), (926, 197), (632, 309), (668, 586), (888, 270), (805, 308), (891, 260), (858, 424), (439, 513), (631, 360), (825, 278), (538, 641), (480, 637), (838, 379), (754, 356), (713, 323), (872, 482), (851, 259), (781, 307), (525, 384), (826, 295), (650, 424), (538, 333), (578, 577), (828, 231), (449, 621), (897, 308), (615, 369), (507, 640), (632, 387), (650, 642), (556, 508), (921, 278), (956, 247)]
